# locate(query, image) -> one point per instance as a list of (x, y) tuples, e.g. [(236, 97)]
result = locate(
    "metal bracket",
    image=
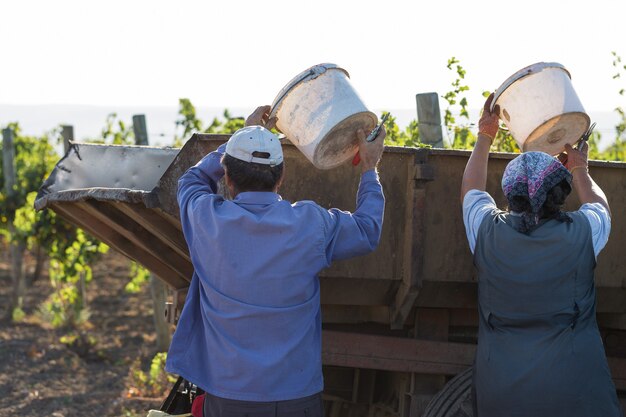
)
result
[(424, 172)]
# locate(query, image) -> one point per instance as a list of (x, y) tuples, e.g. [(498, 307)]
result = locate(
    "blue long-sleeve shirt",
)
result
[(251, 325)]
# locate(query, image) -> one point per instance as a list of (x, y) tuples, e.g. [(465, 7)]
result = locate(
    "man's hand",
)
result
[(260, 117), (371, 152), (488, 123)]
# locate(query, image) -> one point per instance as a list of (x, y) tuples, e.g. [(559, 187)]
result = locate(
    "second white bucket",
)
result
[(541, 109), (319, 111)]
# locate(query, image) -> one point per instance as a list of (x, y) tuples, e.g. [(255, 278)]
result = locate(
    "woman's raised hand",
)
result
[(488, 124)]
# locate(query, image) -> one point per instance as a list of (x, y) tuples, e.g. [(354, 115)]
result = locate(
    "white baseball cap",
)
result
[(247, 141)]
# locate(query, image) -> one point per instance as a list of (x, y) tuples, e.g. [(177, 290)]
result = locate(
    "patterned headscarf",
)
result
[(532, 175)]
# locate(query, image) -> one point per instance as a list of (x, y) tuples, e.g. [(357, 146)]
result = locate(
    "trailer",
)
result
[(399, 324)]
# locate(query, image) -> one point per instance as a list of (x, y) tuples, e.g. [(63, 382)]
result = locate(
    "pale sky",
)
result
[(237, 53)]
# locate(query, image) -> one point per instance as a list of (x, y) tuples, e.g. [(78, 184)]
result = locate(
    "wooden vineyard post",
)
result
[(158, 288), (16, 248), (67, 133), (429, 119)]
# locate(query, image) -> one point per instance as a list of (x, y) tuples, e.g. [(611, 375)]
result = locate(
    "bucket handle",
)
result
[(313, 72)]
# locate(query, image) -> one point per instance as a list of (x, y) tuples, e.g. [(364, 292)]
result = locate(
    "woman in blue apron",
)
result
[(539, 348)]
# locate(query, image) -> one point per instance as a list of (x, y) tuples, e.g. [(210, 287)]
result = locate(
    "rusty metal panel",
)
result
[(126, 196), (449, 277), (194, 150), (106, 189), (611, 177), (331, 188), (108, 168), (390, 275)]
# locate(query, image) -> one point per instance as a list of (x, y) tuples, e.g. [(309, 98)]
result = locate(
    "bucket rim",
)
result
[(524, 72), (308, 74)]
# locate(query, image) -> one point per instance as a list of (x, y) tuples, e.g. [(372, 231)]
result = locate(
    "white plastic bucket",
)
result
[(539, 106), (319, 111)]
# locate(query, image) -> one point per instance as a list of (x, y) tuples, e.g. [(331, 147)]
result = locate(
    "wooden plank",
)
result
[(354, 314), (432, 324), (612, 320), (103, 232), (137, 235), (156, 224), (413, 254), (173, 221), (444, 294), (611, 299), (614, 342), (618, 372), (413, 355), (464, 295), (349, 291), (395, 354), (463, 317)]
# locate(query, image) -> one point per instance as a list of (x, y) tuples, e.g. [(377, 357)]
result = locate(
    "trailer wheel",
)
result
[(455, 399)]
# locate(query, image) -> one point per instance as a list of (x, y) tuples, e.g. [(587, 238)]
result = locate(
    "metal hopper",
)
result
[(405, 310), (126, 196)]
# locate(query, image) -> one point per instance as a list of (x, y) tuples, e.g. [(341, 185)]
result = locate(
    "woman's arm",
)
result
[(475, 175), (586, 188)]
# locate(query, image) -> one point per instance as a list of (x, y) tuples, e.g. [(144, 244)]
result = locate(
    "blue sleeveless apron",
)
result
[(539, 353)]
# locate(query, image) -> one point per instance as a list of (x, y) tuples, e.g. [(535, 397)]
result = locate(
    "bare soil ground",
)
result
[(40, 376)]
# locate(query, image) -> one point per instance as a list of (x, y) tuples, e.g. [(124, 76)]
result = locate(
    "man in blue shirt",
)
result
[(250, 331)]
